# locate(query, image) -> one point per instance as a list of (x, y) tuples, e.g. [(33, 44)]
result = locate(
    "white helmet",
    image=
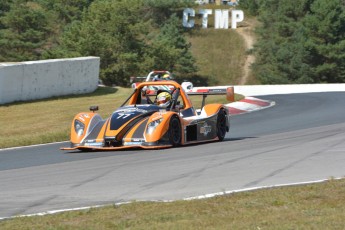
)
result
[(187, 86)]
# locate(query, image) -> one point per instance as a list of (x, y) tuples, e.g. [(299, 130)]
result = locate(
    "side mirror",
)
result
[(94, 108)]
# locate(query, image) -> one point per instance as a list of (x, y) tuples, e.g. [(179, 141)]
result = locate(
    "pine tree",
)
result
[(4, 8), (25, 32), (67, 11), (112, 30), (280, 51), (325, 30), (301, 42), (127, 42), (171, 50)]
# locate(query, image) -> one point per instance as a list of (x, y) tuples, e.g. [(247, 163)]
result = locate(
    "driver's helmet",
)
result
[(163, 99), (166, 76)]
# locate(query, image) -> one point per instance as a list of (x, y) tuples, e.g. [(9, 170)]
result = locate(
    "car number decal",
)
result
[(120, 118), (124, 115)]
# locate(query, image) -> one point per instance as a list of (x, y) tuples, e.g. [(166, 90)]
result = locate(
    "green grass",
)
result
[(49, 120), (220, 55), (314, 206)]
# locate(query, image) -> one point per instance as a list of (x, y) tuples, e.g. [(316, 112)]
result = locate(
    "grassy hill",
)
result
[(220, 55)]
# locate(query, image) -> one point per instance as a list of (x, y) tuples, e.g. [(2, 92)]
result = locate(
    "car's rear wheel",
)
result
[(175, 131), (221, 125)]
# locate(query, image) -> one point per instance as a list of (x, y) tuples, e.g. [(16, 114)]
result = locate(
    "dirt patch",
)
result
[(246, 31)]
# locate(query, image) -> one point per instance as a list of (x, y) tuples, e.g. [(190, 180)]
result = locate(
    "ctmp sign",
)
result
[(221, 18)]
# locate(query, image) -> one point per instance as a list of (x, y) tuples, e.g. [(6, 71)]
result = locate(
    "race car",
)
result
[(155, 75), (164, 75), (142, 123)]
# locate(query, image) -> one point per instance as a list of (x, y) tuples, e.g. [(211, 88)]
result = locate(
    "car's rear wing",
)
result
[(136, 79), (228, 91), (205, 91)]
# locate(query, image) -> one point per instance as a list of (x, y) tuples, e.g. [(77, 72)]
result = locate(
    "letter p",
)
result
[(236, 16)]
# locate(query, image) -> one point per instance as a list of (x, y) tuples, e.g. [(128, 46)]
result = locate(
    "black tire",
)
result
[(221, 125), (175, 131)]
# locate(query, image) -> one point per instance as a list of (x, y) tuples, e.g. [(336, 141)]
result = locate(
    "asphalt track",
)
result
[(301, 138)]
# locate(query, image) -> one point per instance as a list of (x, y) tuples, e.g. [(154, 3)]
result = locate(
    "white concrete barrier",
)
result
[(259, 90), (32, 80)]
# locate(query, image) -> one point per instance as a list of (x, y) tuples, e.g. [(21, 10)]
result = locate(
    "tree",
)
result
[(170, 49), (25, 31), (127, 42), (160, 10), (4, 8), (112, 30), (67, 11), (325, 30), (301, 42), (280, 51), (252, 6)]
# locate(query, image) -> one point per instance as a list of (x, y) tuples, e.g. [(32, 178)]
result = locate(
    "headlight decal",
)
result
[(79, 127), (151, 127)]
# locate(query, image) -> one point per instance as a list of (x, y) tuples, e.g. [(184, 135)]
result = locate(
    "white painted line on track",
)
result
[(206, 196), (30, 146), (257, 188)]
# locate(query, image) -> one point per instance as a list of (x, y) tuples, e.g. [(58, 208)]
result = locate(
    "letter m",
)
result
[(221, 19)]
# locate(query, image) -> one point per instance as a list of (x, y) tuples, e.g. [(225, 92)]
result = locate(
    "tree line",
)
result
[(300, 41), (131, 37)]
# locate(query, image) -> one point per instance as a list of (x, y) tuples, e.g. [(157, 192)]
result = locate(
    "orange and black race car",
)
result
[(141, 122)]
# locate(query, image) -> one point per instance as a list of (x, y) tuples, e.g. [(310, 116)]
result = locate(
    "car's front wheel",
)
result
[(175, 131)]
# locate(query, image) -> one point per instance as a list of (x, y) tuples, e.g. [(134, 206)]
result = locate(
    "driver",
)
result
[(163, 99)]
